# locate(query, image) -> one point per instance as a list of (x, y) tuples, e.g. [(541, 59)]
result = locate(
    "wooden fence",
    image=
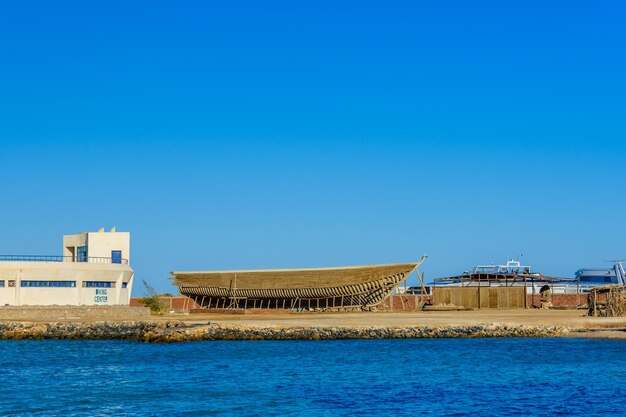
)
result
[(481, 297), (607, 301)]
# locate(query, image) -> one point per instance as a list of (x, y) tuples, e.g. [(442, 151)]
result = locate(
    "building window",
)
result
[(116, 256), (1, 283), (11, 283), (82, 254), (124, 284), (48, 284), (97, 284)]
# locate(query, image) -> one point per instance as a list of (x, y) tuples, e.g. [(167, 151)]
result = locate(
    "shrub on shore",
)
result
[(152, 300)]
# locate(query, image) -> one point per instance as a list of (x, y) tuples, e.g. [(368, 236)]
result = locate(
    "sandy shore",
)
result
[(313, 326), (577, 323), (574, 319)]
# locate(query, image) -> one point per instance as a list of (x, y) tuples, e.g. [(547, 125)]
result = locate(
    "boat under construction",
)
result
[(353, 287)]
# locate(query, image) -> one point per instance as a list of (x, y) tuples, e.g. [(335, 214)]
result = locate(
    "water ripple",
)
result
[(435, 377)]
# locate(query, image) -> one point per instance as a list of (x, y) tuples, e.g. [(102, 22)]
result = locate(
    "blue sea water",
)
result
[(451, 377)]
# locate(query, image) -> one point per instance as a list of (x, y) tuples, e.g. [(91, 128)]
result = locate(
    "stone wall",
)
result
[(559, 300), (172, 331), (172, 303), (412, 302), (54, 313), (394, 302), (403, 302)]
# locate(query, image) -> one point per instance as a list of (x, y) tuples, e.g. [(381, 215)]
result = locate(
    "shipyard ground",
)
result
[(314, 326), (575, 319)]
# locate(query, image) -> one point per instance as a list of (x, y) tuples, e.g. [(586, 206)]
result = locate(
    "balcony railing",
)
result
[(44, 258)]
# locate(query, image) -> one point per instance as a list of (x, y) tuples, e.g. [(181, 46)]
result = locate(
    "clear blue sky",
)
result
[(290, 134)]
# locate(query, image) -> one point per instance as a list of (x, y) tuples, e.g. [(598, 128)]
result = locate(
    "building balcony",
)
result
[(44, 258)]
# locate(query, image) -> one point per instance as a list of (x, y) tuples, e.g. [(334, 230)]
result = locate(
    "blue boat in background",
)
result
[(588, 278), (513, 273)]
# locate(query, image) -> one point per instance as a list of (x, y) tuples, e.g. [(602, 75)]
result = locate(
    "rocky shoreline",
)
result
[(178, 331)]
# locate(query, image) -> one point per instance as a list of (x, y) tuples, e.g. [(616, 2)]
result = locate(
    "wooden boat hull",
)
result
[(317, 288)]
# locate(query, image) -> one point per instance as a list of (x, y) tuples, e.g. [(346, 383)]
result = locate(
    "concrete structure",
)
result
[(73, 313), (94, 270)]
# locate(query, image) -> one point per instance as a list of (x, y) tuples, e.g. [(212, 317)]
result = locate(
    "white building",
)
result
[(94, 270)]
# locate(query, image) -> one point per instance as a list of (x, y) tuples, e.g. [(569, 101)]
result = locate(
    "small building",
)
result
[(93, 270)]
